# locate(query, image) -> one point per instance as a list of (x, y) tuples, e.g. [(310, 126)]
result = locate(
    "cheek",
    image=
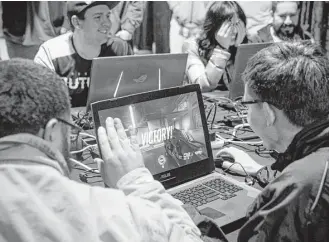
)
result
[(277, 21), (256, 121), (294, 20)]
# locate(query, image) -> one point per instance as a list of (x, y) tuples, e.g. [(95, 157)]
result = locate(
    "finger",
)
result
[(104, 144), (133, 139), (100, 166), (113, 135), (223, 29), (120, 129), (229, 31)]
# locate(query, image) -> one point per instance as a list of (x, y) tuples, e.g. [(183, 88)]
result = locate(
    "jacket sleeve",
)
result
[(133, 16), (207, 76), (140, 184), (43, 58), (278, 213)]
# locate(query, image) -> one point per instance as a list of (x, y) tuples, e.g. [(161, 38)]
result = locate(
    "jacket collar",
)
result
[(29, 149), (308, 140)]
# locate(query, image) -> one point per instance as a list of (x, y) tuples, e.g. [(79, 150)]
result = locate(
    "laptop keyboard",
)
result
[(207, 192)]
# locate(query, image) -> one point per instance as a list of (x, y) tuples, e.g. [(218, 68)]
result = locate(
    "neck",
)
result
[(85, 48), (286, 135)]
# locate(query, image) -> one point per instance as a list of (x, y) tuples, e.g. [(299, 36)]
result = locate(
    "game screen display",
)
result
[(169, 130)]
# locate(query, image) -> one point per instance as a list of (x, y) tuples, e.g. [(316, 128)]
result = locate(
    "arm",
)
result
[(140, 183), (123, 167), (43, 58), (207, 76), (133, 16)]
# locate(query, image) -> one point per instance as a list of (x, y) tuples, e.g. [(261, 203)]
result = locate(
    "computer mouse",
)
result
[(223, 156)]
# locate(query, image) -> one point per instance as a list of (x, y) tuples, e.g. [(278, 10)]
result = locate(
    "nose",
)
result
[(288, 21), (107, 23)]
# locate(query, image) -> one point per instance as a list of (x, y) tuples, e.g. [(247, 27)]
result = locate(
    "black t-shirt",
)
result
[(60, 55)]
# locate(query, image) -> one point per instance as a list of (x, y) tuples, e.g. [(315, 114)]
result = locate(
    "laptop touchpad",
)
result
[(211, 213)]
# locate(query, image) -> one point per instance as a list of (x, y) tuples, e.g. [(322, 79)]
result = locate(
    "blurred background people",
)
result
[(284, 26), (26, 25), (211, 56), (186, 22), (258, 13), (153, 34), (126, 17)]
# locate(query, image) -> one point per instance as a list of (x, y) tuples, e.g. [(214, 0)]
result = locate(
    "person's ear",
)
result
[(269, 114), (50, 130), (75, 22)]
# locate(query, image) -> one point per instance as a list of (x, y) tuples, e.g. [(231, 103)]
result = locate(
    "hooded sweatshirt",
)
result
[(39, 202)]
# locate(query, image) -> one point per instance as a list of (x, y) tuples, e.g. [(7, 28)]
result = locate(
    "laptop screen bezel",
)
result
[(181, 174)]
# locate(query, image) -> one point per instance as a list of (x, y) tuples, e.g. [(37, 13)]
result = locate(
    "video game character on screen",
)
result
[(168, 130)]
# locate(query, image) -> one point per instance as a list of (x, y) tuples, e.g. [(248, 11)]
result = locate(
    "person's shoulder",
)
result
[(59, 46), (304, 173), (119, 46)]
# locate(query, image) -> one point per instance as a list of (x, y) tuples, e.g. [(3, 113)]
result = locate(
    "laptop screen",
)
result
[(169, 130)]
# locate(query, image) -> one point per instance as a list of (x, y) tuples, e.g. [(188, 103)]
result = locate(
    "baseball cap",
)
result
[(79, 6)]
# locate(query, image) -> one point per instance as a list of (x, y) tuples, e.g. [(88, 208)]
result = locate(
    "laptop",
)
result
[(113, 77), (171, 129), (244, 52)]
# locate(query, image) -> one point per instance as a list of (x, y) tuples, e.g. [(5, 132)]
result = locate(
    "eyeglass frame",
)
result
[(251, 102), (72, 126)]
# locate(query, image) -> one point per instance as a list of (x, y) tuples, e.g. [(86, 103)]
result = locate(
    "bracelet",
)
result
[(263, 181)]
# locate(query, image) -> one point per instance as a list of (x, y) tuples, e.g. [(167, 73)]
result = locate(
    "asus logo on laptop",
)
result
[(141, 79), (164, 176)]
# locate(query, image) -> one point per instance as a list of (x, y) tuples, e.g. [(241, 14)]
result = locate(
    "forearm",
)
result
[(133, 17), (140, 183)]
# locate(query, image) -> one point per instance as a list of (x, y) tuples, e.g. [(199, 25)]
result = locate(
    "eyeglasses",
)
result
[(250, 102), (75, 130)]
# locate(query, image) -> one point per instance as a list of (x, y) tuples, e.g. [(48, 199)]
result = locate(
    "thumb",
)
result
[(100, 165)]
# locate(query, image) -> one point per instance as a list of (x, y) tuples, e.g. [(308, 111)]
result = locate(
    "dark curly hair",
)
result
[(217, 14), (294, 77), (30, 95)]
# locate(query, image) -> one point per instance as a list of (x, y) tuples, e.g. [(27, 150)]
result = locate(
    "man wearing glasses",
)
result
[(40, 203), (287, 93)]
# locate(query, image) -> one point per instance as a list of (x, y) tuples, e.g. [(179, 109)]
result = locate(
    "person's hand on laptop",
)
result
[(120, 154), (240, 159)]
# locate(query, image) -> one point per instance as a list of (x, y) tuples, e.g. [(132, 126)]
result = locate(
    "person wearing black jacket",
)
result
[(287, 93)]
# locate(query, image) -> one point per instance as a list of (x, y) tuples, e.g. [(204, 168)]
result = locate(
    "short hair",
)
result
[(80, 15), (292, 76), (30, 95), (275, 4)]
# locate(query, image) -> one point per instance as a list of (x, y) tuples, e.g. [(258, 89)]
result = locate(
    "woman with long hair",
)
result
[(211, 57)]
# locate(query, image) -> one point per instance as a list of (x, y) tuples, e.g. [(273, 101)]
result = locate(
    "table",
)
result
[(221, 113)]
